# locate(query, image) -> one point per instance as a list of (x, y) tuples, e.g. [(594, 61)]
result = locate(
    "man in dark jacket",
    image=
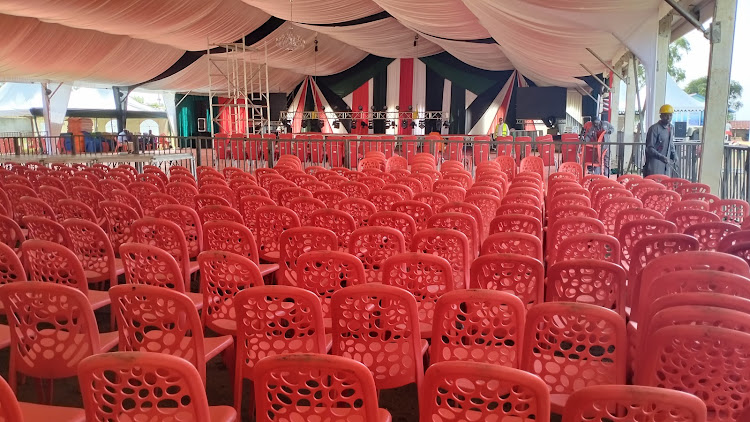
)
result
[(660, 151)]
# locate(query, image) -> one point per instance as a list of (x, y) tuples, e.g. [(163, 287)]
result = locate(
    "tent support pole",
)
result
[(717, 93), (606, 87), (611, 69), (688, 17), (628, 129)]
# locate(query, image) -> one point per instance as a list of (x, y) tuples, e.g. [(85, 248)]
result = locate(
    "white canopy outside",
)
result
[(127, 43)]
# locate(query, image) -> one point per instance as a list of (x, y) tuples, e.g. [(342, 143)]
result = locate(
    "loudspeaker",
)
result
[(680, 129)]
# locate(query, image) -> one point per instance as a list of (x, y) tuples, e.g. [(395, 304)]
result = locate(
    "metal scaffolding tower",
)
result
[(238, 86)]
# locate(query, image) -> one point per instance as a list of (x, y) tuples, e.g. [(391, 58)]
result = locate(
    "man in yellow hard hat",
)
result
[(660, 152)]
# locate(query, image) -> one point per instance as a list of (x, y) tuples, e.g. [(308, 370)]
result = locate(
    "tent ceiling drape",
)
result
[(126, 43)]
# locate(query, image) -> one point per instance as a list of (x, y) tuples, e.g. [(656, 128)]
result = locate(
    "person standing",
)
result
[(660, 150), (501, 129)]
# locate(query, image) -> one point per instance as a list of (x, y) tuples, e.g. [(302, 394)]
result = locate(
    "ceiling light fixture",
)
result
[(290, 41)]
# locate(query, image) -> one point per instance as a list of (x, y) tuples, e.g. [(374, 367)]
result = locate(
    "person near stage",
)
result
[(597, 128), (660, 151), (501, 129)]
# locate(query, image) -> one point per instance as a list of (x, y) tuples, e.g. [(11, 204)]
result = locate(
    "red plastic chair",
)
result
[(119, 218), (355, 190), (93, 199), (69, 208), (418, 211), (731, 210), (384, 200), (461, 176), (249, 190), (13, 410), (373, 245), (142, 192), (223, 276), (634, 231), (449, 244), (297, 241), (188, 220), (566, 227), (402, 222), (601, 247), (359, 209), (310, 386), (147, 264), (607, 194), (671, 350), (249, 205), (219, 213), (325, 272), (426, 276), (514, 243), (390, 347), (259, 311), (78, 181), (661, 266), (205, 200), (52, 196), (433, 199), (621, 403), (573, 168), (341, 223), (522, 209), (710, 234), (522, 276), (461, 222), (184, 193), (166, 235), (708, 198), (556, 214), (660, 201), (572, 346), (587, 281), (304, 207), (35, 207), (270, 222), (689, 204), (460, 328), (330, 197), (589, 179), (107, 385), (126, 198), (45, 229), (94, 249), (11, 233), (453, 193), (52, 328), (154, 319), (471, 391), (372, 183), (733, 239), (534, 164), (516, 223), (683, 219), (11, 268), (628, 215), (651, 247), (565, 200), (692, 188), (612, 207)]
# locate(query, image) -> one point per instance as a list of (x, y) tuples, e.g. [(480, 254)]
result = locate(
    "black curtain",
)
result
[(379, 90), (433, 98)]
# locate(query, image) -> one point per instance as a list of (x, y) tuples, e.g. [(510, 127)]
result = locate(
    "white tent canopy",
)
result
[(17, 99), (128, 43), (676, 97)]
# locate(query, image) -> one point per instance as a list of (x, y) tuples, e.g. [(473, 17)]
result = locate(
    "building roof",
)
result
[(740, 124)]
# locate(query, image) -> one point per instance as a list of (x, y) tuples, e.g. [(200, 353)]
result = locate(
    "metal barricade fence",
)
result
[(332, 150)]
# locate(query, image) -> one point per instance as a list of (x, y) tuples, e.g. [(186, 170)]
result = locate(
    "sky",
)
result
[(695, 63)]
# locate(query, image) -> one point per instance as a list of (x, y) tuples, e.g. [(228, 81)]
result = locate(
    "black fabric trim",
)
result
[(345, 82), (190, 57), (337, 103), (379, 93), (433, 98), (367, 19), (488, 40), (457, 109)]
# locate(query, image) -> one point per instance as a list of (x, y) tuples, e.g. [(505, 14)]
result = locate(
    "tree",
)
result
[(698, 86), (676, 50)]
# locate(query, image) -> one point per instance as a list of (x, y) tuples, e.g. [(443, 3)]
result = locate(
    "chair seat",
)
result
[(108, 341), (222, 414), (38, 412), (197, 299), (98, 299), (194, 267), (94, 277), (557, 402), (425, 330), (4, 336), (291, 414), (212, 346), (223, 326), (270, 256), (266, 269)]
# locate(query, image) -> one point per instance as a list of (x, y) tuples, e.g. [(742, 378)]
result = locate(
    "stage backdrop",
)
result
[(473, 98)]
